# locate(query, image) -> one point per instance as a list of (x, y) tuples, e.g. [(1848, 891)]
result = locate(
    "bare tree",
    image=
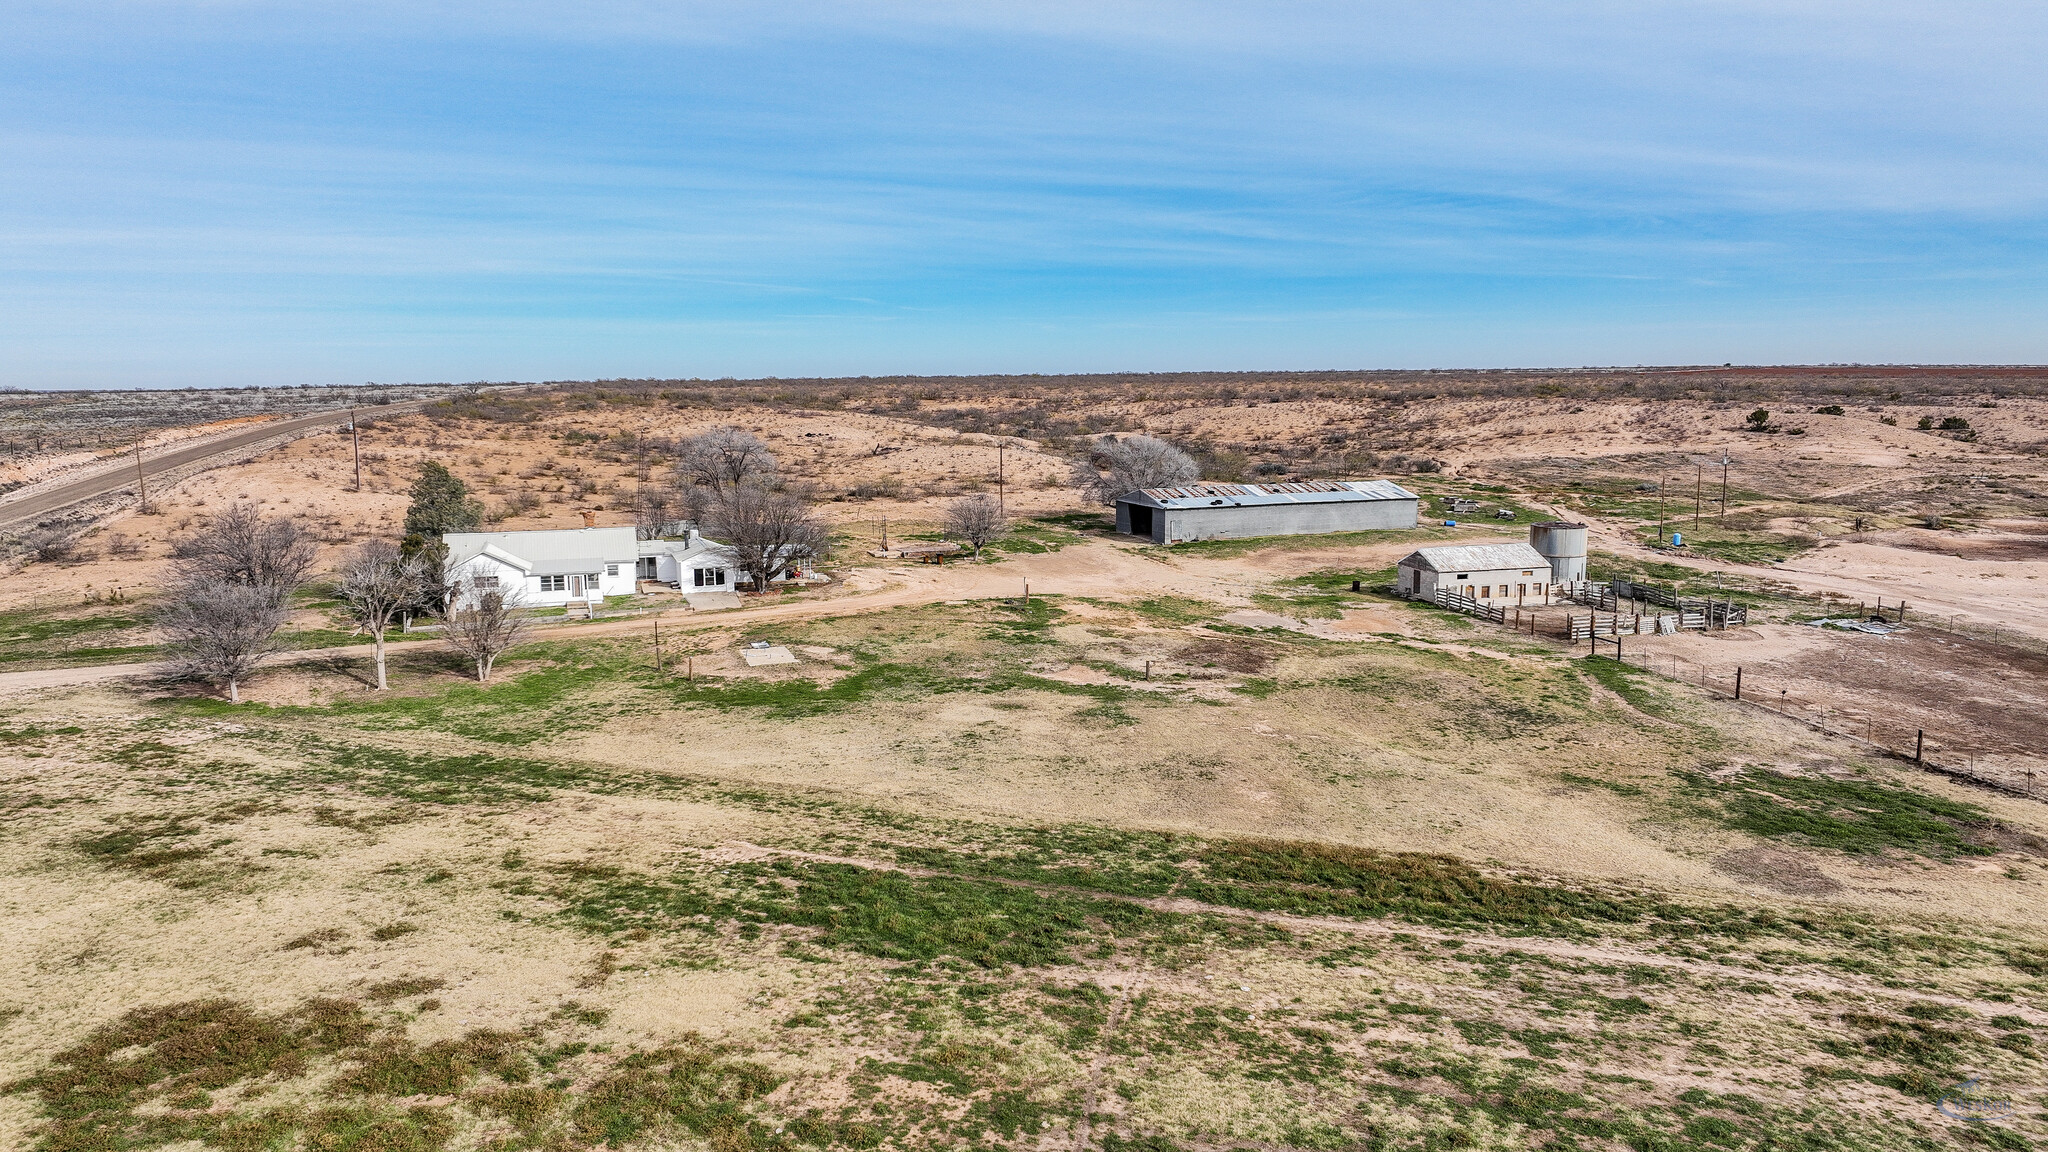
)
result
[(657, 509), (764, 532), (976, 520), (723, 459), (376, 584), (241, 546), (218, 631), (483, 620), (1116, 467)]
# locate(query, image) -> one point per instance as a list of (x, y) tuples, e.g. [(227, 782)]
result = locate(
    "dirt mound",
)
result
[(1976, 546), (1778, 869), (1230, 652)]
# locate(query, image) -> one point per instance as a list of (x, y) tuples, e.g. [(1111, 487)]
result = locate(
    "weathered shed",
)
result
[(1236, 511), (1515, 572)]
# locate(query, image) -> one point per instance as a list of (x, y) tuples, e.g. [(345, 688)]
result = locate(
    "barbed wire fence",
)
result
[(2001, 765)]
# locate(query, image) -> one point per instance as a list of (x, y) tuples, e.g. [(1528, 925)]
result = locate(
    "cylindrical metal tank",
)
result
[(1564, 545)]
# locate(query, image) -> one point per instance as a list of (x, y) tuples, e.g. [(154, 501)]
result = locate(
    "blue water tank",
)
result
[(1450, 523), (1677, 540)]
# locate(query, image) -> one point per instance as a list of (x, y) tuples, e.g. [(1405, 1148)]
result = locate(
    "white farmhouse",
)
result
[(1495, 573), (562, 566)]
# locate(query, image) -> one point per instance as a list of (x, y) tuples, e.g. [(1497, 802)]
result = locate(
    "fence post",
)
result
[(1738, 681), (1919, 744)]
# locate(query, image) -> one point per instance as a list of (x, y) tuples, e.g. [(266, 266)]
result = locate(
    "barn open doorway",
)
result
[(1141, 520)]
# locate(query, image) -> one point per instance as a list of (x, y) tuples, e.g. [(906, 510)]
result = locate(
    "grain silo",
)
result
[(1564, 545)]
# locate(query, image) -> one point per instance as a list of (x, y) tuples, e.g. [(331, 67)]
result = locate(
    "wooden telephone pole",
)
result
[(1699, 480), (999, 476), (1724, 485), (355, 433), (141, 485)]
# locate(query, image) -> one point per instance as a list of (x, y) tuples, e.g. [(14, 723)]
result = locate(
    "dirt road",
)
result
[(39, 501)]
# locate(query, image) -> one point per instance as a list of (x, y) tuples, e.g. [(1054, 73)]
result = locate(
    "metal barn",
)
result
[(1236, 511)]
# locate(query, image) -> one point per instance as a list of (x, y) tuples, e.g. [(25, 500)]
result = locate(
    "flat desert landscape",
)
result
[(1084, 843)]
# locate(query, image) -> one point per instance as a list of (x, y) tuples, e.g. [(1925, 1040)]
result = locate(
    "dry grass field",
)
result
[(1197, 849)]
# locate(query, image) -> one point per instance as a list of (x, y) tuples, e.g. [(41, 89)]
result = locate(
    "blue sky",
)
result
[(277, 193)]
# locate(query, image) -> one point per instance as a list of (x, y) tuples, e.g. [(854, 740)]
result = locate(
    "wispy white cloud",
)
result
[(417, 174)]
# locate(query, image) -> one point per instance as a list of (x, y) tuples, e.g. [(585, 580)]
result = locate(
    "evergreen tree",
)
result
[(440, 503)]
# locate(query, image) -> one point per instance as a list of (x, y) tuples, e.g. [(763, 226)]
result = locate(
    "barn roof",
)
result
[(1243, 495), (1476, 558)]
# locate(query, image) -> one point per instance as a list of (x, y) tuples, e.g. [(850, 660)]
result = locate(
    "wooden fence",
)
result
[(1470, 607)]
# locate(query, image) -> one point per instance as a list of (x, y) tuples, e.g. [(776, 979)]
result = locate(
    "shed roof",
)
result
[(1476, 558), (548, 551), (1242, 495)]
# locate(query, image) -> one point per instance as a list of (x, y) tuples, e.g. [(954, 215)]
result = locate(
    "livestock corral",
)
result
[(1073, 838)]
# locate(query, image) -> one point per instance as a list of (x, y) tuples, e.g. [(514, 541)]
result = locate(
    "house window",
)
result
[(554, 583), (487, 582), (611, 569), (1486, 591)]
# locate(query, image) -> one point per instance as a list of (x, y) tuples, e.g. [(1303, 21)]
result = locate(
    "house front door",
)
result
[(575, 586)]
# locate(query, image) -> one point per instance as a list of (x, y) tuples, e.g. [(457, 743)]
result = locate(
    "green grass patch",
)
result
[(1033, 537), (892, 915), (1172, 610), (1847, 815), (424, 778), (148, 1080), (1329, 879), (902, 917), (1642, 690), (41, 635)]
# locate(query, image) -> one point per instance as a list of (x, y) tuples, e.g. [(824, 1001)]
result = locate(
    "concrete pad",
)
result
[(712, 601), (757, 657)]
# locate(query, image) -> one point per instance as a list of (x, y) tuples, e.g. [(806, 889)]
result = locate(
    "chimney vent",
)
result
[(590, 519)]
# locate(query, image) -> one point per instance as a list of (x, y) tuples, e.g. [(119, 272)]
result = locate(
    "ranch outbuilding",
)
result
[(1237, 511), (1496, 573)]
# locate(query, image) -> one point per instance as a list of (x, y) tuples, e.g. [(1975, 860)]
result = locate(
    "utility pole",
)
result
[(1663, 483), (141, 488), (1724, 486), (355, 433), (1699, 479), (999, 476)]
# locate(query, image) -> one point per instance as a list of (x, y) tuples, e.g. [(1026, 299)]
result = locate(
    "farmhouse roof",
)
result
[(1243, 495), (1476, 558), (546, 551), (497, 553)]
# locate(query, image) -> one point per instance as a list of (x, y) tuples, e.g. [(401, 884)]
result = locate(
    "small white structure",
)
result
[(1497, 573), (561, 566)]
